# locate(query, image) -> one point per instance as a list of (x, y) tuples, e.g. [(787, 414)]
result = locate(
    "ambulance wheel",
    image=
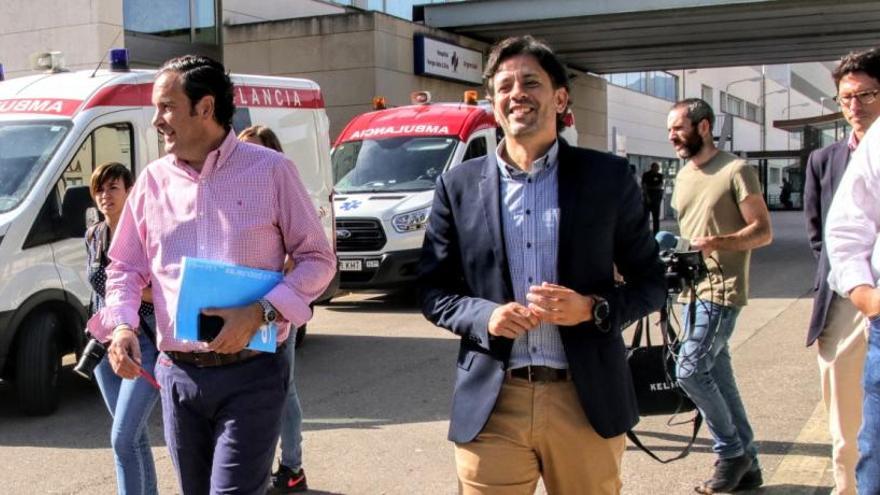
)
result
[(300, 336), (38, 364)]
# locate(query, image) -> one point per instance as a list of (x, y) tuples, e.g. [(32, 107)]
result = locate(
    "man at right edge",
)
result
[(836, 326)]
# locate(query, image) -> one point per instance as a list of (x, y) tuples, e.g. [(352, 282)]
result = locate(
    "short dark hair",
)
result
[(264, 134), (867, 61), (202, 76), (110, 171), (527, 45), (697, 111)]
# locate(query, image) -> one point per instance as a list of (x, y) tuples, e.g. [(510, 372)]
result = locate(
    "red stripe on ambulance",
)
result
[(122, 95), (139, 95), (50, 106)]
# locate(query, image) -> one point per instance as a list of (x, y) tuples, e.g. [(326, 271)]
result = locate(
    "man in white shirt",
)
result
[(836, 326), (851, 234)]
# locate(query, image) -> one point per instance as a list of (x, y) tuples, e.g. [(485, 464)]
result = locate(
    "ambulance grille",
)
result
[(359, 235)]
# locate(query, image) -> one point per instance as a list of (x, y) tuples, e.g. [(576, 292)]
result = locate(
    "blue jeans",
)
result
[(291, 420), (705, 373), (130, 403), (868, 468)]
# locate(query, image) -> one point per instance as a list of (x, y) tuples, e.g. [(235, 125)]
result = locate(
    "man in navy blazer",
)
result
[(836, 324), (519, 260)]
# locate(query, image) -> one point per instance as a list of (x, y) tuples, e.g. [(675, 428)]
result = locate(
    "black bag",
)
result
[(653, 372)]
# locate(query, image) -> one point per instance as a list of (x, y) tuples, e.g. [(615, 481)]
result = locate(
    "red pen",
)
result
[(146, 376)]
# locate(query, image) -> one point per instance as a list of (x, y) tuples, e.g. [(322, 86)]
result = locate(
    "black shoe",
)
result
[(752, 479), (728, 475), (286, 480)]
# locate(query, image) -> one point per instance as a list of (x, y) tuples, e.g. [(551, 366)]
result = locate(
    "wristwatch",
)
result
[(269, 312), (601, 312)]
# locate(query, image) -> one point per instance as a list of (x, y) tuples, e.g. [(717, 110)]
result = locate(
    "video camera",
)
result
[(684, 267)]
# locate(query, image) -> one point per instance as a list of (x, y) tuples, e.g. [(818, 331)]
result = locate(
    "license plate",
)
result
[(351, 265)]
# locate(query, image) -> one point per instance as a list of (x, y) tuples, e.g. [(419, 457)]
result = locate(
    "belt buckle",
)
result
[(205, 359), (531, 372), (198, 359)]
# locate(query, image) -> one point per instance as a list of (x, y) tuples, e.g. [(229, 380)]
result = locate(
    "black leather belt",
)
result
[(539, 374), (212, 359)]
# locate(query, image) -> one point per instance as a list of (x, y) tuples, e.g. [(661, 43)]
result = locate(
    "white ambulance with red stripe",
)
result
[(385, 164), (55, 129)]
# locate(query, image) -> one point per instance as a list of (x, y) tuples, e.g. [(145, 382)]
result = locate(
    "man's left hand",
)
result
[(559, 305), (239, 325)]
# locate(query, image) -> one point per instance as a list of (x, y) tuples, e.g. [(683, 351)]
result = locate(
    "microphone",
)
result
[(671, 242)]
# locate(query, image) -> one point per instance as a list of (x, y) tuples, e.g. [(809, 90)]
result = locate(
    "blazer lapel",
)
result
[(490, 185), (567, 197)]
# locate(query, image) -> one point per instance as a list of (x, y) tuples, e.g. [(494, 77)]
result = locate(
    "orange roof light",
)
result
[(420, 97), (379, 103), (470, 97)]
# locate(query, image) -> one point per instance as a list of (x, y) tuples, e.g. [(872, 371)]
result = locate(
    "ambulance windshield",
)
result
[(25, 148), (393, 164)]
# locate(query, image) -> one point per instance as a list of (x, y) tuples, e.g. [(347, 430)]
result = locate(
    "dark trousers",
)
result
[(222, 423), (652, 204)]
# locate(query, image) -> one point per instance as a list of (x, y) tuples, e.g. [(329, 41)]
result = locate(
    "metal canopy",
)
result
[(605, 36)]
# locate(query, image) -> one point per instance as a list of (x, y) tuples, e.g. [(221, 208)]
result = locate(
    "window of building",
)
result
[(204, 22), (706, 94), (636, 81), (732, 105), (186, 21), (655, 83)]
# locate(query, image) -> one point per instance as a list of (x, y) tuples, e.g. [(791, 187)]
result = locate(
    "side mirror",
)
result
[(77, 200)]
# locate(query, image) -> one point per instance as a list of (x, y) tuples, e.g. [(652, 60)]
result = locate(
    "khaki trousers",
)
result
[(539, 430), (842, 347)]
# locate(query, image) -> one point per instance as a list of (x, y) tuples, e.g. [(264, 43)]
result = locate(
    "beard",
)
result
[(691, 145)]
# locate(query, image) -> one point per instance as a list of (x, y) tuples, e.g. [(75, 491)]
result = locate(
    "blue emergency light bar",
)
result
[(119, 59)]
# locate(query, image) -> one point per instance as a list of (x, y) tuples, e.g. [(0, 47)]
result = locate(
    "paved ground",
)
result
[(376, 379)]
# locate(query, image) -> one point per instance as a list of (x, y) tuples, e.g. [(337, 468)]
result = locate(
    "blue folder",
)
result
[(215, 284)]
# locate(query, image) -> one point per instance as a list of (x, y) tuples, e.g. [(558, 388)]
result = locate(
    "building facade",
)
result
[(748, 102), (359, 49), (356, 55), (85, 30)]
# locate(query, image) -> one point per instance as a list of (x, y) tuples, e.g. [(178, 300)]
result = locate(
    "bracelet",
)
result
[(121, 327)]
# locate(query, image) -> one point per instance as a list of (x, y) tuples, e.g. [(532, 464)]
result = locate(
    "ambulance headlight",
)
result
[(411, 221)]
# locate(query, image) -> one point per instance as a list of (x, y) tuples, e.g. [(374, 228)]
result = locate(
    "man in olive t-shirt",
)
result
[(707, 200), (721, 211)]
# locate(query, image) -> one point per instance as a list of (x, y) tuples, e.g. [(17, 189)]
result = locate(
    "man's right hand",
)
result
[(511, 320), (866, 299), (124, 353)]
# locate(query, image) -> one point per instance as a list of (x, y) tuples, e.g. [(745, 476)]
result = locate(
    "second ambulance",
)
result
[(385, 164)]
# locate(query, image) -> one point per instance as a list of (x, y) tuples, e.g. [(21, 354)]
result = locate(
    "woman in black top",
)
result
[(129, 401)]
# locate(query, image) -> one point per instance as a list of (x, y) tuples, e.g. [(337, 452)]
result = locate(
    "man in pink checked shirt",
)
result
[(213, 197)]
